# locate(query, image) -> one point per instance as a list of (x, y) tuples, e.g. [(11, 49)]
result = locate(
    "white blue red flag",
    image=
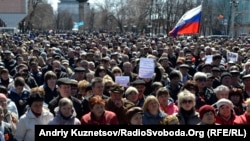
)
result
[(189, 23)]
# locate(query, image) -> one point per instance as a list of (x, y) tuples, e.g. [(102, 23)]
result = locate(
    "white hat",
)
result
[(131, 89), (224, 101)]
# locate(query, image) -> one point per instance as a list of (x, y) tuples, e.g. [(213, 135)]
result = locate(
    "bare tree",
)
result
[(64, 20)]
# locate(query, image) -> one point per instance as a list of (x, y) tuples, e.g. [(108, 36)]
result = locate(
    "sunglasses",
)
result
[(187, 101)]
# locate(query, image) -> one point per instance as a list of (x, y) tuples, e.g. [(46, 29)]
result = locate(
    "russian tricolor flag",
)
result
[(189, 23)]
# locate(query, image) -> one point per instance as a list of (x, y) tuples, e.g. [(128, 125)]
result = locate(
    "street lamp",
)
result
[(234, 4)]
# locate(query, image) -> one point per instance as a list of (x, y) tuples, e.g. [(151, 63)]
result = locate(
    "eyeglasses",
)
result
[(117, 72), (187, 101), (201, 79)]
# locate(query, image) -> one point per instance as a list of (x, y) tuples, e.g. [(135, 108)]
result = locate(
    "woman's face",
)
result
[(37, 107), (235, 99), (136, 119), (153, 106), (225, 111), (133, 97), (208, 118), (187, 104), (51, 81), (163, 99), (5, 76), (66, 110), (98, 110)]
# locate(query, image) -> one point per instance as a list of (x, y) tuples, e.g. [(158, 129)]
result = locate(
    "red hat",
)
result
[(206, 108)]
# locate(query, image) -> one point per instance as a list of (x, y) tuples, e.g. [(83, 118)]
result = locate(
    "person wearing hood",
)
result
[(167, 104), (65, 113), (225, 112)]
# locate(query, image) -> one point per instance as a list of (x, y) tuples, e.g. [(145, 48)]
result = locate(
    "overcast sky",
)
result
[(54, 3)]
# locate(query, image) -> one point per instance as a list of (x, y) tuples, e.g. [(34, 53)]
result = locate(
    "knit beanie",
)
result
[(204, 109)]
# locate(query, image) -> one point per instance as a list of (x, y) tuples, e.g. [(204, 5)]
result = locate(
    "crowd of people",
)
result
[(70, 79)]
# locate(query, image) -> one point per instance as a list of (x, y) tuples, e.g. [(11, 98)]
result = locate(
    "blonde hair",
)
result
[(170, 118), (247, 101), (148, 99), (185, 94), (107, 79)]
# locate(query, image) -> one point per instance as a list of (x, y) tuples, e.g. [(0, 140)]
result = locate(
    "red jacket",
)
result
[(243, 119), (220, 120), (108, 118)]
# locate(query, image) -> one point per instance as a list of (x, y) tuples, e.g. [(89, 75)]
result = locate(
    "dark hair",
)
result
[(19, 81), (3, 90), (190, 84), (162, 91), (99, 69), (96, 80), (35, 97)]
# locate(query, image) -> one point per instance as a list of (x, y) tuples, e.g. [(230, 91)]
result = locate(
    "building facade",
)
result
[(13, 11)]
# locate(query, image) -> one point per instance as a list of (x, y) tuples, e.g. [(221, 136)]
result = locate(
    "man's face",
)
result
[(98, 88), (65, 90)]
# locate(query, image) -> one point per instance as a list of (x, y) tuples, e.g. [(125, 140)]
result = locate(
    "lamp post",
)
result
[(234, 4)]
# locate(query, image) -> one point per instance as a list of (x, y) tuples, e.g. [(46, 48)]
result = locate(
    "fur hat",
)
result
[(224, 101)]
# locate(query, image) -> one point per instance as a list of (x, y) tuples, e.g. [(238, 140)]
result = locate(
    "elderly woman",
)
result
[(132, 95), (153, 115), (207, 115), (221, 91), (187, 114), (206, 94)]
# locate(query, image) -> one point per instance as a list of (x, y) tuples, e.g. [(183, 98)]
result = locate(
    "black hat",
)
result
[(138, 82), (116, 88), (64, 80), (79, 69), (205, 65), (225, 74), (216, 69)]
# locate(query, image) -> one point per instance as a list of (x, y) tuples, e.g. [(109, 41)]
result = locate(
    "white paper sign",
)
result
[(231, 56), (209, 59), (146, 68), (122, 80)]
